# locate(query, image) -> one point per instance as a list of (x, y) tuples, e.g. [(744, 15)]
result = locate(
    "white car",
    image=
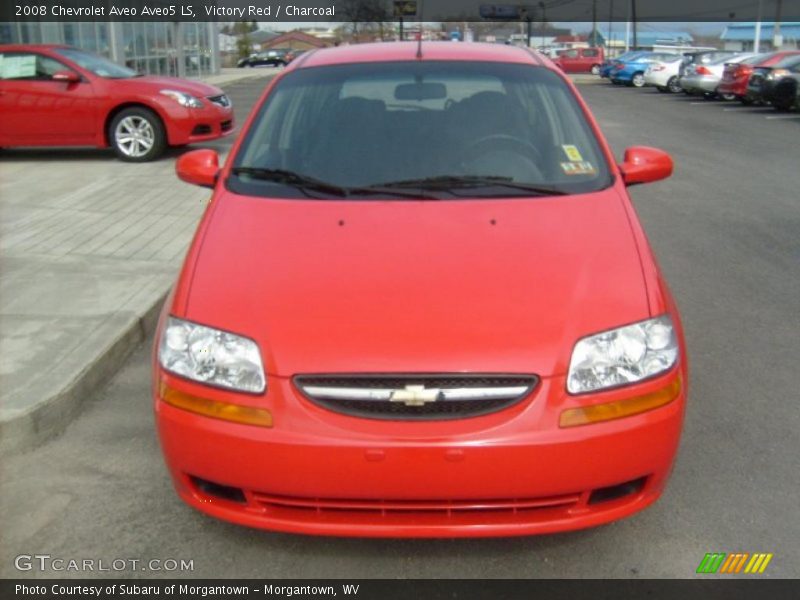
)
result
[(663, 75)]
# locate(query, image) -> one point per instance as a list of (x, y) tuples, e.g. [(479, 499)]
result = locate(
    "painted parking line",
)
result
[(704, 103), (775, 117)]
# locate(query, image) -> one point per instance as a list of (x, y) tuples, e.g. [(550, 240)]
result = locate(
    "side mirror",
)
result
[(66, 76), (199, 167), (643, 165)]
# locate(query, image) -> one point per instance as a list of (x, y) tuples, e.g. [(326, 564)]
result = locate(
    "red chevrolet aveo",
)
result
[(420, 303), (62, 96)]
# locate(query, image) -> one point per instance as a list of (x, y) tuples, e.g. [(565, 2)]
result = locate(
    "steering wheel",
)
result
[(501, 143)]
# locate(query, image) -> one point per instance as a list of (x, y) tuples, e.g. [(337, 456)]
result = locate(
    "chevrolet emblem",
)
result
[(415, 395)]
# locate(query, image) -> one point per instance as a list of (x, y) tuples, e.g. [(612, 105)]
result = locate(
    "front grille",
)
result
[(222, 100), (415, 397), (388, 507)]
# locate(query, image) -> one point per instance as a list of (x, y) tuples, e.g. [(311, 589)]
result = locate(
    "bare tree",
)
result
[(365, 16)]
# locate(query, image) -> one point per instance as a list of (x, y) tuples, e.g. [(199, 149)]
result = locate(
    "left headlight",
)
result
[(183, 98), (211, 356), (622, 356)]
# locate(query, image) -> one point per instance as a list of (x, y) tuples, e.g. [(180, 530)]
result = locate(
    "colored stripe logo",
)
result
[(736, 562)]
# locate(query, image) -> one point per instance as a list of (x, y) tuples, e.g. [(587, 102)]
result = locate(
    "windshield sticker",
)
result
[(17, 67), (572, 153), (578, 168)]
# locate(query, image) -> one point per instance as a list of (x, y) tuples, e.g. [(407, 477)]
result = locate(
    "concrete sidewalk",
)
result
[(89, 247)]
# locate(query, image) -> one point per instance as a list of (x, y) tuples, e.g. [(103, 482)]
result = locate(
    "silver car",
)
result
[(704, 79)]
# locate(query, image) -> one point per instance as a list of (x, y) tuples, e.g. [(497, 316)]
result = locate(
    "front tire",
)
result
[(137, 135), (595, 69), (674, 86), (637, 80)]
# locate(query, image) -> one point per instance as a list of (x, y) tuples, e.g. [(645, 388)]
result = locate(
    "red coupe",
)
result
[(62, 96), (420, 303)]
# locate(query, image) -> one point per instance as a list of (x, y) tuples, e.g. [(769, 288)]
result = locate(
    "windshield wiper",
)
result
[(302, 182), (305, 182), (453, 182)]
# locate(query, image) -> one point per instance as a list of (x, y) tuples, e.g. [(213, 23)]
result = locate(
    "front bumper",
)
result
[(189, 125), (514, 472)]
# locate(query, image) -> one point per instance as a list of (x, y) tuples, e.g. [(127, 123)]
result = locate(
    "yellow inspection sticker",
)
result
[(572, 153)]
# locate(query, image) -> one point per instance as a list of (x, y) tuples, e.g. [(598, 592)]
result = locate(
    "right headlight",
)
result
[(622, 356), (211, 356)]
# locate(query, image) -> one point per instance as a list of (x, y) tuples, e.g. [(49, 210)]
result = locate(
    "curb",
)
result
[(52, 416)]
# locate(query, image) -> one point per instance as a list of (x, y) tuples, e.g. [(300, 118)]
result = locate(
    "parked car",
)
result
[(100, 103), (786, 94), (703, 57), (404, 339), (663, 75), (705, 78), (608, 65), (736, 76), (631, 71), (762, 83), (276, 57), (580, 60)]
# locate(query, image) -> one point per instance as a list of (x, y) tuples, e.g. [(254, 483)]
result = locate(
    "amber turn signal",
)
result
[(247, 415), (609, 411)]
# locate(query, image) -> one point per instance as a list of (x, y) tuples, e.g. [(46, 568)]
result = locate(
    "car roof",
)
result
[(30, 47), (407, 51)]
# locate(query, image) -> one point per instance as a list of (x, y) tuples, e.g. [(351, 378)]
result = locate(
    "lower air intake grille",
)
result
[(416, 397)]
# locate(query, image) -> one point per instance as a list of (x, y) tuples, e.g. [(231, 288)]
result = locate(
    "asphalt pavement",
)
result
[(726, 230)]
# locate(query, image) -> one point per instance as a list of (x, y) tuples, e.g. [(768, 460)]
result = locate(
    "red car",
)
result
[(581, 60), (62, 96), (736, 75), (420, 303)]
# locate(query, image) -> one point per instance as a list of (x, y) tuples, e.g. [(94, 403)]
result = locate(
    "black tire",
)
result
[(637, 80), (709, 96), (595, 69), (144, 127), (662, 89), (745, 100), (673, 85)]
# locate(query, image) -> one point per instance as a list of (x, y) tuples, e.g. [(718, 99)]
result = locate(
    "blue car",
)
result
[(605, 68), (631, 71)]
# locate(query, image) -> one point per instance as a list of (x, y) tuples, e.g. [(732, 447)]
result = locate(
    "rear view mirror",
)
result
[(66, 76), (643, 164), (420, 91), (199, 167)]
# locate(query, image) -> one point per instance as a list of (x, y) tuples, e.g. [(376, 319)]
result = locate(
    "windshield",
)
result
[(97, 64), (438, 129)]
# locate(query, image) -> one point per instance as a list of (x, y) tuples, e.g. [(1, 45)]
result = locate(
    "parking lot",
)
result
[(726, 230)]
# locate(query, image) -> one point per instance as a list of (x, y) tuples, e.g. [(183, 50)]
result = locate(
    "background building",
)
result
[(158, 48), (741, 36)]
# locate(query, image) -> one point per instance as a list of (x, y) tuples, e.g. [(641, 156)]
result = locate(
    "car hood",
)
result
[(195, 88), (408, 286)]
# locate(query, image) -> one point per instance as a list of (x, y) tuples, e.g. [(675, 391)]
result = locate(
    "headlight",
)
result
[(621, 356), (211, 356), (183, 98)]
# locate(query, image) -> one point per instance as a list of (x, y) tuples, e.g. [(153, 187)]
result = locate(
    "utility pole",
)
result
[(633, 18), (757, 40), (594, 24), (610, 39)]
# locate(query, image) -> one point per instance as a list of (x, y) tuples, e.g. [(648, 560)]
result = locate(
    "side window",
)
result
[(571, 54), (590, 52), (31, 67)]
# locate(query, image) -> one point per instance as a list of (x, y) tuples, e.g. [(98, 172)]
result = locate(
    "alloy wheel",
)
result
[(134, 136)]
